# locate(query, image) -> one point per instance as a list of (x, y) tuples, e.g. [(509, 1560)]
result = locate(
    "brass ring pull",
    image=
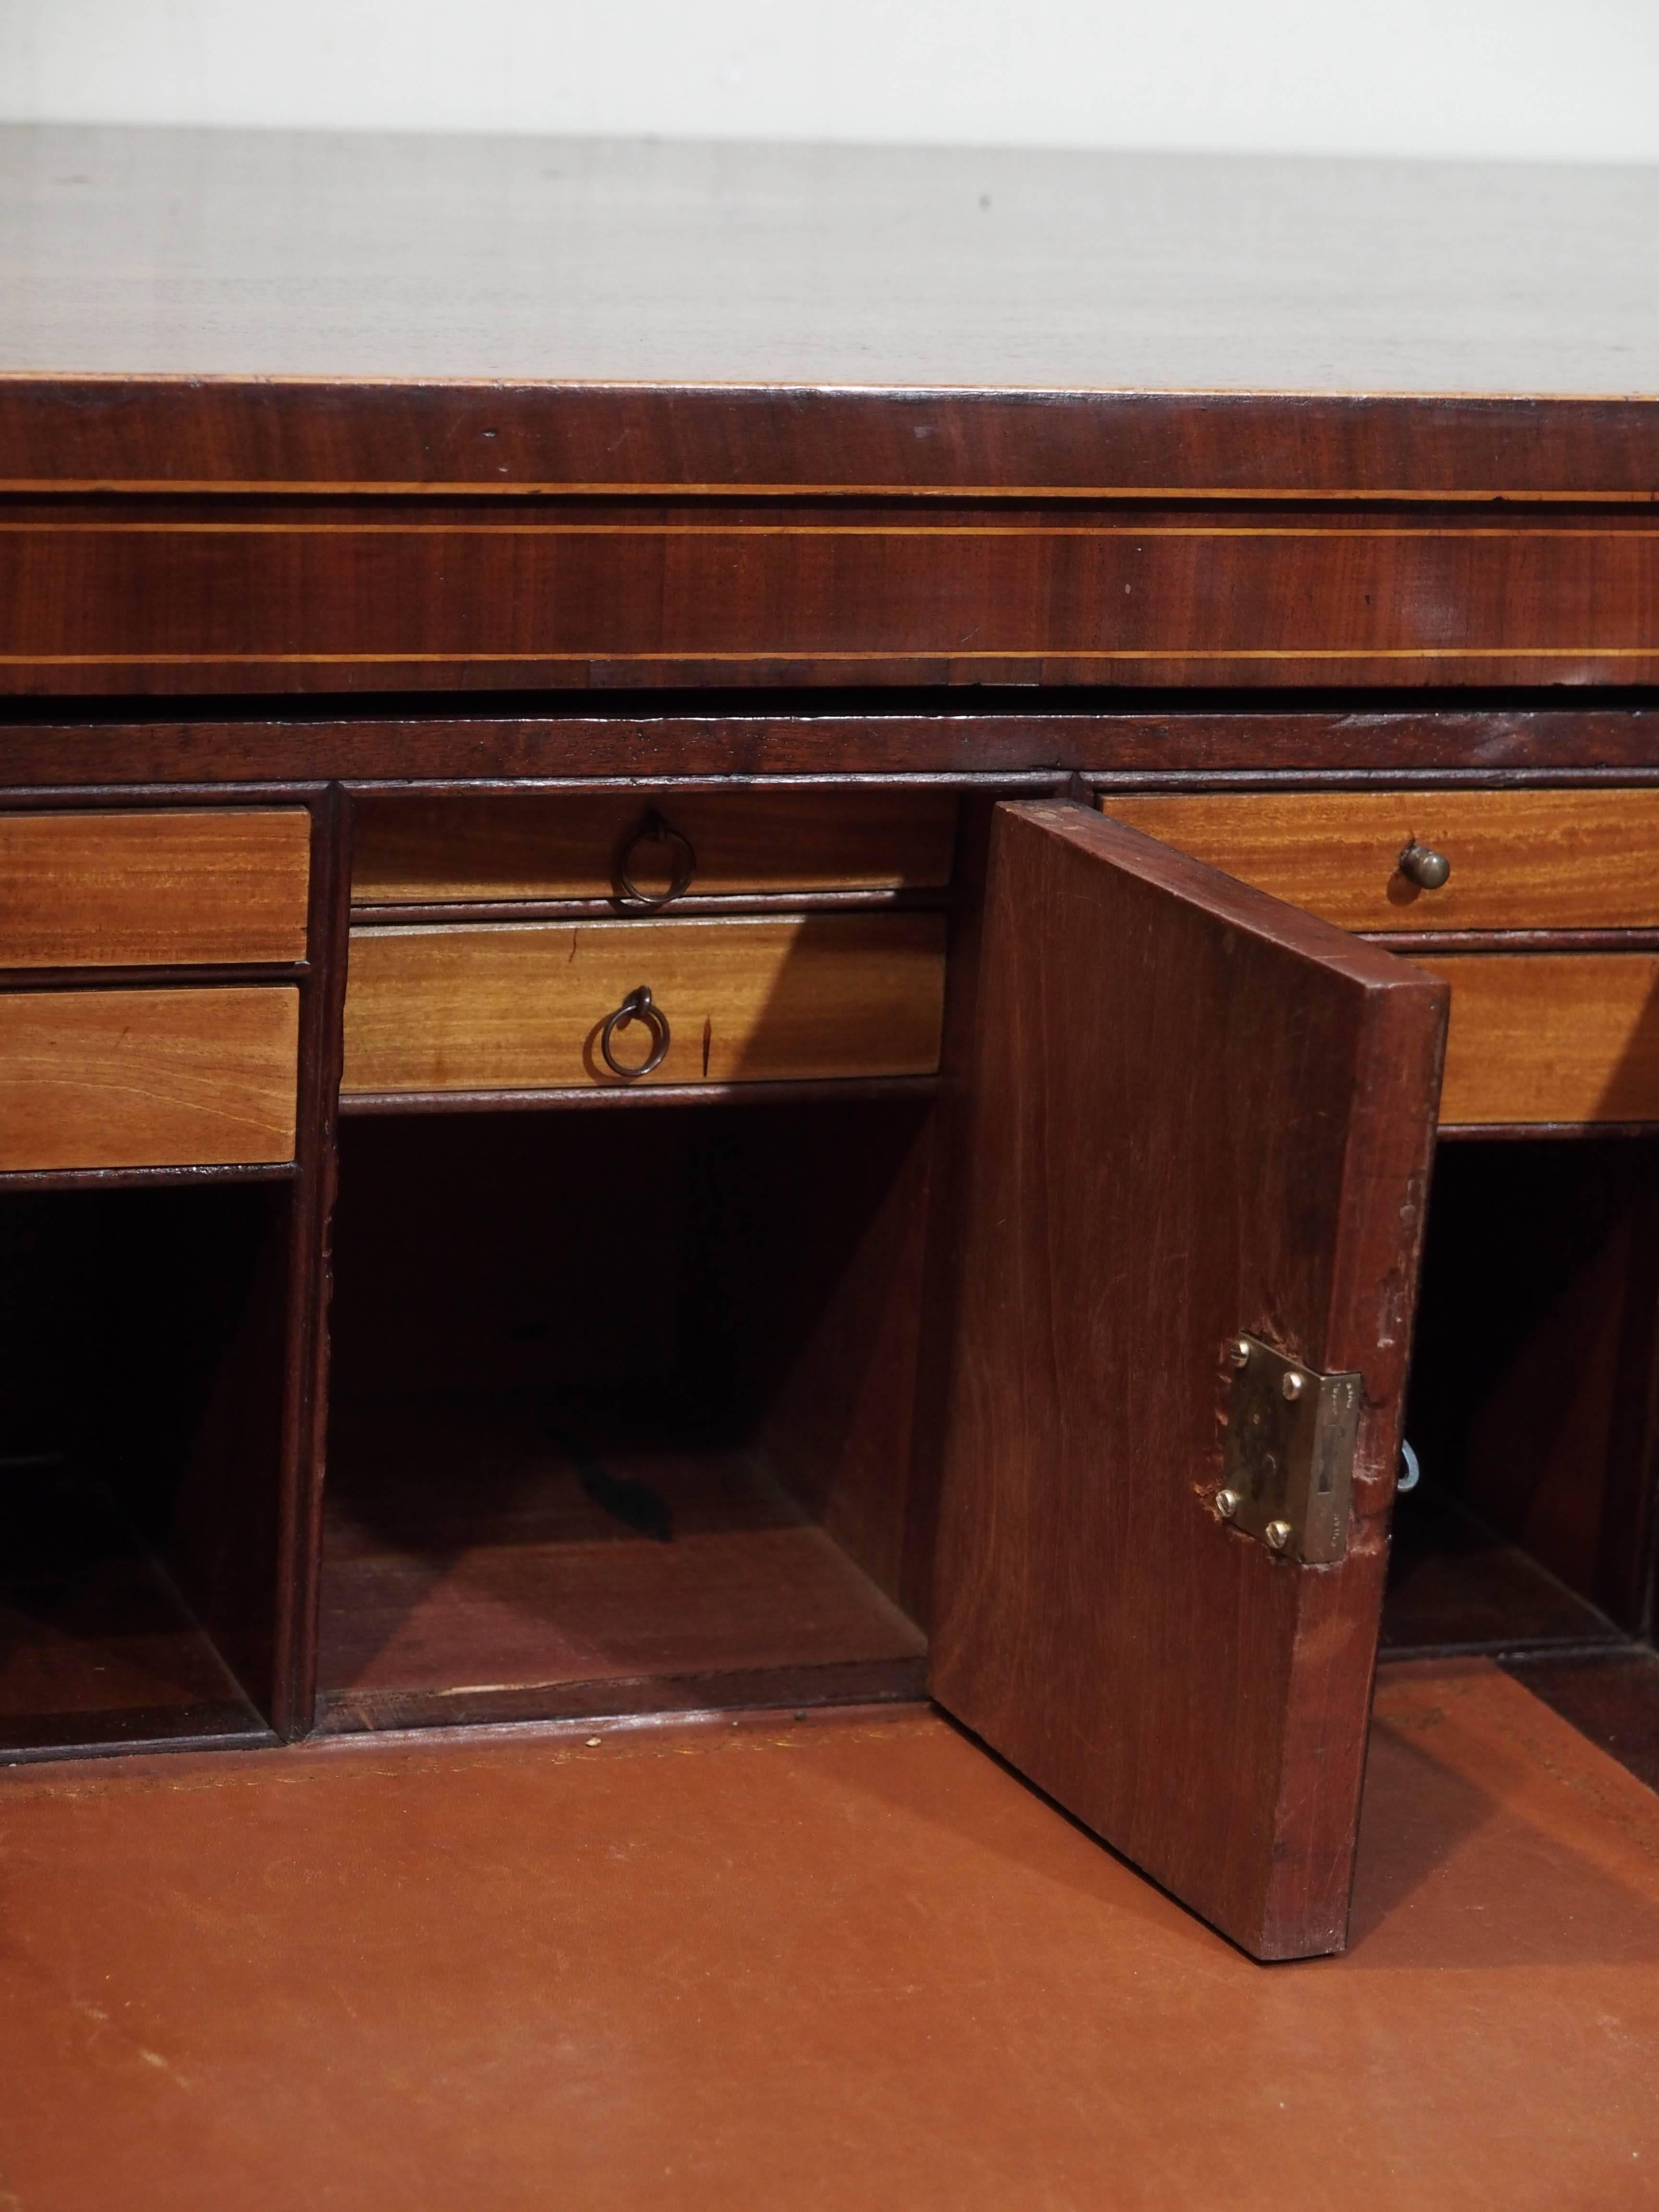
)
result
[(637, 1007), (1422, 866), (653, 831)]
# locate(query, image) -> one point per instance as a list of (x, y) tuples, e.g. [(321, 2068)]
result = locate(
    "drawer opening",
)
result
[(140, 1414), (622, 1411), (1535, 1374)]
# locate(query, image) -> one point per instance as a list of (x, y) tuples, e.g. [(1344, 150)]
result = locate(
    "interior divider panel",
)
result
[(1515, 860), (575, 844), (523, 1007), (198, 885), (148, 1077)]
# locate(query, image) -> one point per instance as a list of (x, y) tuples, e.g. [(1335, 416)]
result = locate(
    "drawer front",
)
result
[(132, 891), (575, 844), (521, 1006), (148, 1079), (1520, 860), (1558, 1037)]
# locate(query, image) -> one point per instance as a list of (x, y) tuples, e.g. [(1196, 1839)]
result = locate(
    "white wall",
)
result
[(1574, 80)]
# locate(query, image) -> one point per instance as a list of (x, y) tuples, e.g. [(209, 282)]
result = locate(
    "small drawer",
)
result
[(512, 1006), (1550, 1037), (1518, 859), (139, 890), (148, 1079), (593, 845)]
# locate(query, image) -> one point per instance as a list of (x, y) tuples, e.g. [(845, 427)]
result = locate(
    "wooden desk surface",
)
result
[(837, 1965), (514, 313)]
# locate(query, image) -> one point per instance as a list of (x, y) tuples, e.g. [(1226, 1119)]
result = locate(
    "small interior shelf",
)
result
[(593, 1577), (622, 1412), (142, 1332), (1532, 1401)]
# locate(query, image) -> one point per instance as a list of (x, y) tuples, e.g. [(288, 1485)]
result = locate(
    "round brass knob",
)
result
[(637, 1007), (1422, 866)]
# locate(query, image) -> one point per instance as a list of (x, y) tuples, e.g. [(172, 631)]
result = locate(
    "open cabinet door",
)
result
[(1199, 1132)]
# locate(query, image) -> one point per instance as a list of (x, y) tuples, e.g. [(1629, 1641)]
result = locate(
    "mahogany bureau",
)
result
[(730, 886)]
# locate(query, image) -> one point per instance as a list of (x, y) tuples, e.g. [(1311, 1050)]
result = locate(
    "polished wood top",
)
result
[(962, 320)]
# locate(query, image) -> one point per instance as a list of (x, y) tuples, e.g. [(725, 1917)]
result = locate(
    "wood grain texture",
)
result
[(1568, 1036), (1520, 860), (960, 464), (933, 1989), (153, 889), (257, 597), (522, 1579), (147, 1078), (575, 844), (455, 310), (516, 1006), (999, 740), (1195, 1111)]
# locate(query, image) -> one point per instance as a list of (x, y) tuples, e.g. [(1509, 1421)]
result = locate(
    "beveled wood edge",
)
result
[(850, 1681), (184, 1176), (691, 906), (644, 782), (503, 679), (1105, 493), (161, 975), (1635, 939), (146, 796), (197, 1732), (781, 1090), (345, 1744), (118, 431), (1027, 662), (1003, 741), (1615, 1645), (1493, 1131), (1053, 724), (669, 917)]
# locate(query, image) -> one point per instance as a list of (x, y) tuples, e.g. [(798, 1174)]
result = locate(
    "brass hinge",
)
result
[(1288, 1471)]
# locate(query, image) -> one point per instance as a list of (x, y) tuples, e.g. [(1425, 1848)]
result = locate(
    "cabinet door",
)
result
[(1195, 1114)]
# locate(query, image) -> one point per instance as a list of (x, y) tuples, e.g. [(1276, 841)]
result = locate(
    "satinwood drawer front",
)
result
[(506, 1007), (151, 889), (141, 1078), (1515, 860), (1550, 1036), (559, 845)]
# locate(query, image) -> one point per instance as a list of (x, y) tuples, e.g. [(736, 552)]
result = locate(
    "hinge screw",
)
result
[(1226, 1504), (1239, 1353), (1277, 1534), (1291, 1384)]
